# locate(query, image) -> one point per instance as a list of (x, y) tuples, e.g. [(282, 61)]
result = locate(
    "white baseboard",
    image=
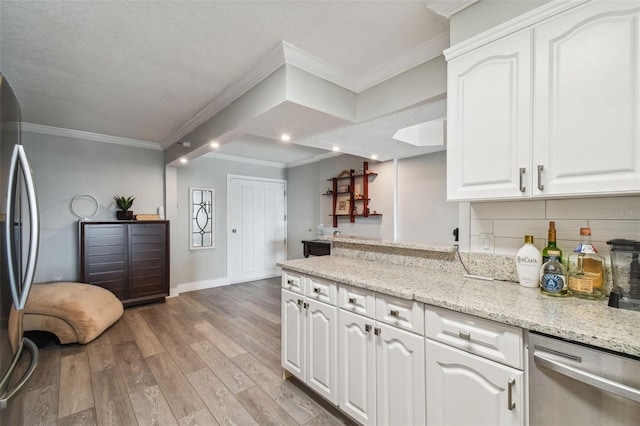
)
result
[(198, 285)]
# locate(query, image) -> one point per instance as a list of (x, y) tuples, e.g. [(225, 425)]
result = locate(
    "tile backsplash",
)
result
[(509, 221)]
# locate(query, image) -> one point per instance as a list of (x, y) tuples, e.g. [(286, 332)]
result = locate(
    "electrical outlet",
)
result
[(487, 243)]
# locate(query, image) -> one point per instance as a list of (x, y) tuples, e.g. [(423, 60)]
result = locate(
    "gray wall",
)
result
[(424, 215), (65, 167), (210, 264)]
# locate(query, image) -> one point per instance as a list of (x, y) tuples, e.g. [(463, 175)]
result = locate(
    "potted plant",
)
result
[(124, 204)]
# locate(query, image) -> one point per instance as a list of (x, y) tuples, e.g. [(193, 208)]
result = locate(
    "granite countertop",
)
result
[(585, 321), (443, 248)]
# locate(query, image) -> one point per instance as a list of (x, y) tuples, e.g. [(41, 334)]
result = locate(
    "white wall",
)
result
[(189, 267), (65, 167)]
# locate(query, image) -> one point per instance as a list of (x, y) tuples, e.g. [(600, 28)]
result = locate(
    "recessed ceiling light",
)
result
[(285, 137), (214, 144), (374, 157), (336, 148), (183, 160)]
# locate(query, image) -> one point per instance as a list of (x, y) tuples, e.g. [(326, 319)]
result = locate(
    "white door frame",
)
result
[(255, 179)]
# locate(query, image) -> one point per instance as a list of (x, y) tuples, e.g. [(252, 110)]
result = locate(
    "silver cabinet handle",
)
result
[(588, 378), (540, 169), (306, 305), (510, 404), (290, 282), (464, 335), (522, 172), (352, 300), (299, 302), (234, 230), (316, 290), (367, 327), (394, 313), (33, 349), (377, 331)]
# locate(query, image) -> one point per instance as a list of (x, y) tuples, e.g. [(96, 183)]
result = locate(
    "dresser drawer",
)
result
[(293, 281), (323, 290), (401, 313), (499, 342), (357, 300)]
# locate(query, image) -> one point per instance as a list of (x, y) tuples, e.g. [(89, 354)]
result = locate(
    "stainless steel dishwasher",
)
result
[(573, 384)]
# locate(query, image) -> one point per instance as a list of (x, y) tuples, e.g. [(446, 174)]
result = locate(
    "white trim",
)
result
[(411, 59), (300, 59), (88, 136), (197, 285), (518, 23), (395, 200), (314, 159), (265, 67), (237, 159), (447, 8)]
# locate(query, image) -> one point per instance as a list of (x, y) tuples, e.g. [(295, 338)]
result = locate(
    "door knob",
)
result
[(234, 230)]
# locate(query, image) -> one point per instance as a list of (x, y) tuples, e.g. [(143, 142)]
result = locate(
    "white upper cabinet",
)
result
[(489, 121), (586, 131), (550, 110)]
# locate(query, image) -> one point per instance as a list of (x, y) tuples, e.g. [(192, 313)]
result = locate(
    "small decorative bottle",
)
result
[(553, 276), (528, 262), (586, 269), (551, 244)]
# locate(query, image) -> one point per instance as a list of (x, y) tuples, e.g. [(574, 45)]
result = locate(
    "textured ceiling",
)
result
[(141, 69)]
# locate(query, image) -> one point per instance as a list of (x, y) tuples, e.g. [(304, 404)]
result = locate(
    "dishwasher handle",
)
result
[(588, 378)]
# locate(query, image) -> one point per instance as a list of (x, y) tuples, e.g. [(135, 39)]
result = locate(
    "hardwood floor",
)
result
[(206, 357)]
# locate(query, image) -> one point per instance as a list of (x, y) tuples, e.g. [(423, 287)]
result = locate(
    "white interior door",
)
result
[(256, 231)]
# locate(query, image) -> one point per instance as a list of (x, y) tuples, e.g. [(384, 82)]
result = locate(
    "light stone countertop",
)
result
[(585, 321), (348, 239)]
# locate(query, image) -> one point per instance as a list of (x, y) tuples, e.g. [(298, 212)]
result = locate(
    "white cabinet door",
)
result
[(356, 367), (322, 348), (400, 377), (489, 121), (293, 333), (464, 389), (587, 100)]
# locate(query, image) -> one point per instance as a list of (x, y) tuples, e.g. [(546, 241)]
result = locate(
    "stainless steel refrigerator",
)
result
[(19, 229)]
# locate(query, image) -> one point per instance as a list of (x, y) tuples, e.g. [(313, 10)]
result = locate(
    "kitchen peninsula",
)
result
[(381, 310)]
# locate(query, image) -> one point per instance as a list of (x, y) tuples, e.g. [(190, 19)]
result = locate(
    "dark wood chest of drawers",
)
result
[(128, 258)]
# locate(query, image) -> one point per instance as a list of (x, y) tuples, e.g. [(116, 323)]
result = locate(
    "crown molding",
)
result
[(265, 67), (518, 23), (411, 59), (88, 136), (253, 161), (447, 8)]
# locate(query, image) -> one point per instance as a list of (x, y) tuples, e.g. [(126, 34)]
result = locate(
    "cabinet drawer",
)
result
[(357, 300), (401, 313), (293, 281), (323, 290), (491, 340)]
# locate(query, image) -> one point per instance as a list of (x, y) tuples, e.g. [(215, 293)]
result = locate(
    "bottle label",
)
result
[(526, 260), (585, 248), (582, 284), (553, 283)]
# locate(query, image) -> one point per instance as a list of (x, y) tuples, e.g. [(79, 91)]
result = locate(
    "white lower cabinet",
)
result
[(309, 342), (465, 389), (381, 372)]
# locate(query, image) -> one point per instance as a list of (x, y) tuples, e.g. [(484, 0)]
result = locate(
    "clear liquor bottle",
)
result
[(553, 276), (586, 269)]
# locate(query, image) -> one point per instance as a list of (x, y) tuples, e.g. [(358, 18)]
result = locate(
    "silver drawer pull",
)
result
[(394, 313), (316, 290), (352, 300), (290, 282), (299, 302), (377, 331), (510, 404), (367, 327), (464, 335)]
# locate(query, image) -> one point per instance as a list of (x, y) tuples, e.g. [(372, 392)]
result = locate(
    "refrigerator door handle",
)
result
[(20, 291), (34, 231), (33, 350)]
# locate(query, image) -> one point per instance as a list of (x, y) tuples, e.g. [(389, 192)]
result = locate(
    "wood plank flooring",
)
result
[(206, 357)]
